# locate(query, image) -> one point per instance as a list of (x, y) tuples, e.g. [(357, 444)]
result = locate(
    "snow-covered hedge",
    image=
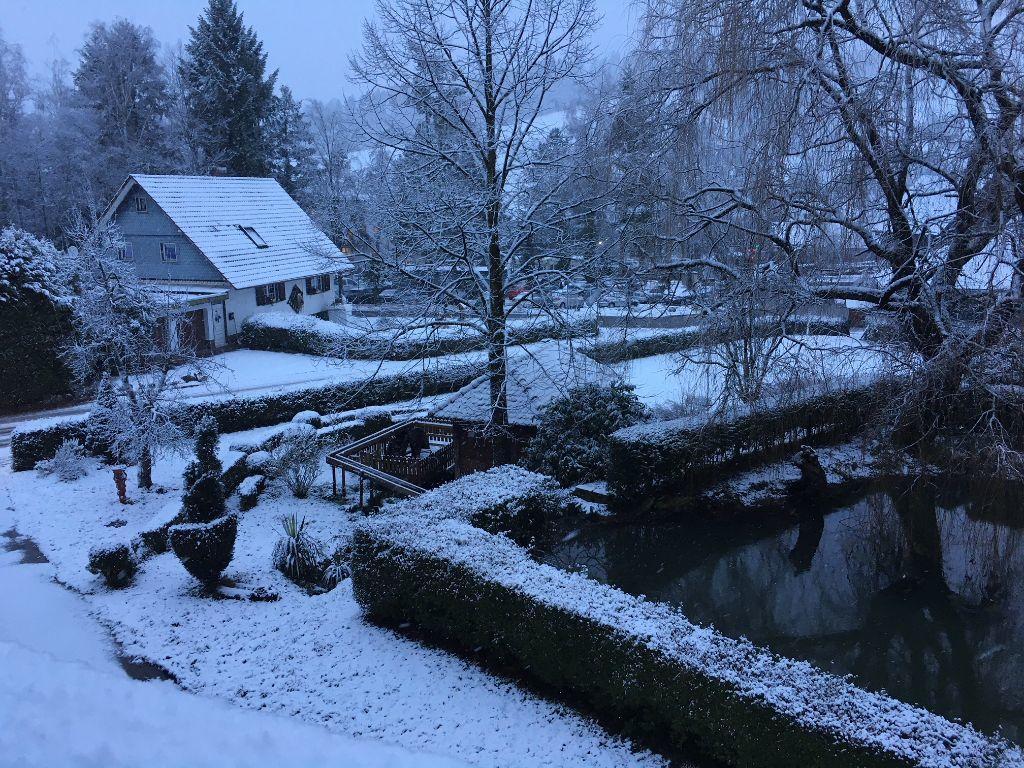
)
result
[(681, 455), (278, 332), (641, 663), (38, 440), (618, 350)]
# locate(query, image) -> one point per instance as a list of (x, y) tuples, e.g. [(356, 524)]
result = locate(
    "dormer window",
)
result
[(255, 236), (141, 204)]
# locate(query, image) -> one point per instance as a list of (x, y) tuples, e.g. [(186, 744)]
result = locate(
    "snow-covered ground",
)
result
[(312, 658), (67, 702), (667, 379)]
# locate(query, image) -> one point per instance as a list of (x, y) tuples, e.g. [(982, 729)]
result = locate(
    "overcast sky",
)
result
[(308, 40)]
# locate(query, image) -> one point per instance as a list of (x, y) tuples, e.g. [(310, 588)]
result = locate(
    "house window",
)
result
[(141, 204), (169, 253), (269, 294), (318, 284), (255, 236), (126, 252)]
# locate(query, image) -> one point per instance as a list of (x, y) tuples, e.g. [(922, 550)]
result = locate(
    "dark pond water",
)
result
[(910, 590)]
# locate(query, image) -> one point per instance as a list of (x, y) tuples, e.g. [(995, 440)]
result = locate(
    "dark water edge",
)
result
[(912, 587)]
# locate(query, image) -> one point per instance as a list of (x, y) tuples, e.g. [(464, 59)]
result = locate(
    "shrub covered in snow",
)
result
[(249, 491), (571, 443), (338, 568), (682, 455), (34, 442), (203, 500), (312, 418), (205, 549), (34, 320), (640, 663), (68, 463), (115, 563), (297, 459), (278, 332), (298, 554)]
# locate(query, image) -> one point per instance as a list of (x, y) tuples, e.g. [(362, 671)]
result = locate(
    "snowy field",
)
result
[(311, 658)]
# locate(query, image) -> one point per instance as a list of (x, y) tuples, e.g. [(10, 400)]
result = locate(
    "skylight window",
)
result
[(255, 236)]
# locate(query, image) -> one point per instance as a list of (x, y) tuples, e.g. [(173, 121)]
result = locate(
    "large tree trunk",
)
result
[(146, 469)]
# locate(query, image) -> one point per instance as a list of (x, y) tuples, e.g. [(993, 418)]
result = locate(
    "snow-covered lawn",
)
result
[(312, 658), (66, 701), (666, 379)]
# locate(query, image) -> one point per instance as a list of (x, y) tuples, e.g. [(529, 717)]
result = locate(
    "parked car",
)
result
[(568, 298), (615, 299)]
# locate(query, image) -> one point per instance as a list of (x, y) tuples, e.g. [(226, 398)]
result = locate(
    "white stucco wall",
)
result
[(241, 304)]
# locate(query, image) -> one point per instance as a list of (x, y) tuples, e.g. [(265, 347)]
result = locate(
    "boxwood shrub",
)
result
[(35, 441), (640, 664), (684, 455)]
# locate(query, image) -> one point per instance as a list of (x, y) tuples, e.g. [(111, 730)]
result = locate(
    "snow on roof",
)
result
[(210, 211), (535, 378)]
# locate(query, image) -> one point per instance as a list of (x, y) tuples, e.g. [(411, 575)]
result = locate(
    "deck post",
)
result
[(343, 491), (360, 491), (334, 482)]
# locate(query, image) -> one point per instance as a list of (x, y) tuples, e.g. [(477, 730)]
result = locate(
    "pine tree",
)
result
[(291, 144), (120, 80), (228, 93)]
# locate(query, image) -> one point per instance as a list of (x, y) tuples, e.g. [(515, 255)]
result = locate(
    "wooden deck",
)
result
[(383, 459)]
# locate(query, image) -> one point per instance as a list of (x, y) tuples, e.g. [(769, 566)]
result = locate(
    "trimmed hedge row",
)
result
[(312, 337), (681, 455), (642, 664), (665, 343), (29, 445)]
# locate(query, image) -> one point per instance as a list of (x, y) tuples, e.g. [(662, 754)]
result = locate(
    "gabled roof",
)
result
[(535, 378), (209, 210)]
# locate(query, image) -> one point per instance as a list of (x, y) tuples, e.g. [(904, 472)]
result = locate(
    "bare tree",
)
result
[(457, 96), (889, 130), (125, 336)]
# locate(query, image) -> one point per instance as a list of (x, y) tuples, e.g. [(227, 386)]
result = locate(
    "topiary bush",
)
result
[(205, 549), (204, 500), (116, 564), (571, 443), (249, 492)]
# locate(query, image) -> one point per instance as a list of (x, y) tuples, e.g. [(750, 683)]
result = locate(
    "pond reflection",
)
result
[(908, 592)]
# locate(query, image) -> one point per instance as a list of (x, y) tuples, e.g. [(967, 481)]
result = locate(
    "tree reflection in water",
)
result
[(908, 591)]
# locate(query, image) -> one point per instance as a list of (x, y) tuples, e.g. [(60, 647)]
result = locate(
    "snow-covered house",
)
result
[(226, 248)]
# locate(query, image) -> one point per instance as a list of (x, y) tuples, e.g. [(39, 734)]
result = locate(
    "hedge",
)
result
[(633, 348), (316, 337), (683, 455), (639, 663), (33, 442)]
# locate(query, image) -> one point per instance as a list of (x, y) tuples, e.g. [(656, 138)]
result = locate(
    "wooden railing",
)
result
[(370, 459)]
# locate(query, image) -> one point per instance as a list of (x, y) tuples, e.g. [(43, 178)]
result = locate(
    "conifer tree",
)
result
[(291, 144), (228, 94)]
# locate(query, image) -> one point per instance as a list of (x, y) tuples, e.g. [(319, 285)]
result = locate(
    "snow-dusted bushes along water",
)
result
[(626, 657)]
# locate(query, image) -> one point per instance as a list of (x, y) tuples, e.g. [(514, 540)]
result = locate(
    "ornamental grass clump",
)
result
[(297, 459), (68, 463)]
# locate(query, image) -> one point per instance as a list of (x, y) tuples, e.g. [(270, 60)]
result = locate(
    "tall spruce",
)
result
[(121, 81), (228, 94), (291, 144)]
